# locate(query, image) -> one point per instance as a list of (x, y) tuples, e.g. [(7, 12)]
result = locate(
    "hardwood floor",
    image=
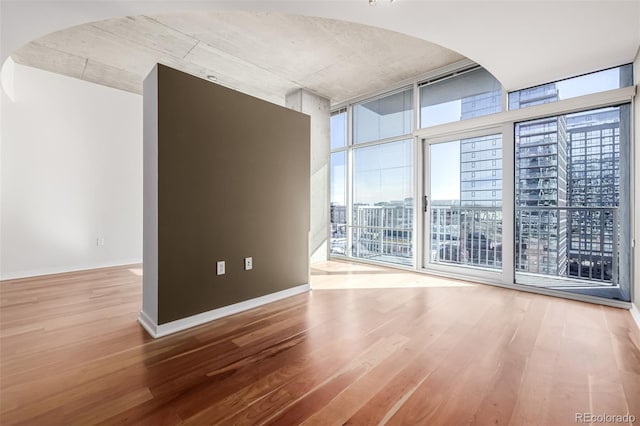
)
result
[(368, 346)]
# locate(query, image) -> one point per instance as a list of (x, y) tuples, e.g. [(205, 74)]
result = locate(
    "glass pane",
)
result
[(568, 189), (601, 81), (338, 129), (383, 118), (472, 94), (465, 178), (338, 203), (383, 202)]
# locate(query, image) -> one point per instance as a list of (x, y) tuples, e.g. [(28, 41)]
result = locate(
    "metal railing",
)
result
[(579, 243), (338, 240), (385, 244), (572, 242), (467, 236)]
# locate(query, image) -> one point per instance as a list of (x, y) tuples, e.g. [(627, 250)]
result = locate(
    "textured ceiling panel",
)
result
[(263, 54)]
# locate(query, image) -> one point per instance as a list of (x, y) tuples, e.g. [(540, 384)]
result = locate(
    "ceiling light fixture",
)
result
[(212, 78)]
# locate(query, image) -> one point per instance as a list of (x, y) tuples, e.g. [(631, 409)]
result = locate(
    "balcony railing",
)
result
[(384, 244), (579, 244), (338, 238), (571, 242), (467, 236)]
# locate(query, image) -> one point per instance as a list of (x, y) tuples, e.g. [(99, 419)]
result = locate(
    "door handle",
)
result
[(425, 203)]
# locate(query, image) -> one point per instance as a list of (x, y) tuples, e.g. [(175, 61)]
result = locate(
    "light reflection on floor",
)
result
[(354, 275), (136, 271)]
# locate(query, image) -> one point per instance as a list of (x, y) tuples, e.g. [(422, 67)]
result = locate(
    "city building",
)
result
[(593, 187), (338, 224), (481, 171), (541, 187)]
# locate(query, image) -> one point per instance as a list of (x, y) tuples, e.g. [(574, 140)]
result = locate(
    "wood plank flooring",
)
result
[(368, 346)]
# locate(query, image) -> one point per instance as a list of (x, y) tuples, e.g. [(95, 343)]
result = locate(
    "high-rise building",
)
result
[(594, 166), (572, 162), (481, 157), (594, 186), (541, 187), (481, 104), (338, 223), (481, 171)]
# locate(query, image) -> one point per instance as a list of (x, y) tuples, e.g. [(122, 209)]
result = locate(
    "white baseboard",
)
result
[(635, 314), (68, 268), (161, 330), (148, 324)]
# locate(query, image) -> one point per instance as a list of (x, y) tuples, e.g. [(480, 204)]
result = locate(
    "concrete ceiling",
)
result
[(521, 42), (264, 54)]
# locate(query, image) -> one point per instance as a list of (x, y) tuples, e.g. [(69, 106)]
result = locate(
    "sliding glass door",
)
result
[(569, 224), (462, 204)]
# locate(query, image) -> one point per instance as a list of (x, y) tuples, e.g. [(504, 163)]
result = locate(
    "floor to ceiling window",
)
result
[(535, 196), (372, 169), (572, 171), (382, 221), (572, 190), (338, 212)]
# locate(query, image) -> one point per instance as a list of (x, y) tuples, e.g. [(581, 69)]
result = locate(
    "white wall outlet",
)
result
[(248, 263), (100, 242), (220, 267)]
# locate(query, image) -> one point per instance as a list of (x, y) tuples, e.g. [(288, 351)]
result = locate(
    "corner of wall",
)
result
[(319, 110), (293, 100), (148, 324), (6, 78), (149, 313)]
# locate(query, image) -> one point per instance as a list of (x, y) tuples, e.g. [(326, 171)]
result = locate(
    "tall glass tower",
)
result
[(541, 187)]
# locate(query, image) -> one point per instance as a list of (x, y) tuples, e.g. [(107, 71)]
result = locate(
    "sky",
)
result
[(444, 171)]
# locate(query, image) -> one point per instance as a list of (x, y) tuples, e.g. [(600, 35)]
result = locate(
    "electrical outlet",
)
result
[(248, 263), (220, 267), (100, 242)]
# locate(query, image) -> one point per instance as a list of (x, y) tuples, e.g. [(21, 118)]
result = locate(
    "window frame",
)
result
[(506, 121)]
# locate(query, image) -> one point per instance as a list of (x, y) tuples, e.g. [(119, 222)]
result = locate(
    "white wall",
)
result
[(71, 172)]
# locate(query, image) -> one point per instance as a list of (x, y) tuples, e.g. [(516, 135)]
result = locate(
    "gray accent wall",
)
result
[(233, 179)]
